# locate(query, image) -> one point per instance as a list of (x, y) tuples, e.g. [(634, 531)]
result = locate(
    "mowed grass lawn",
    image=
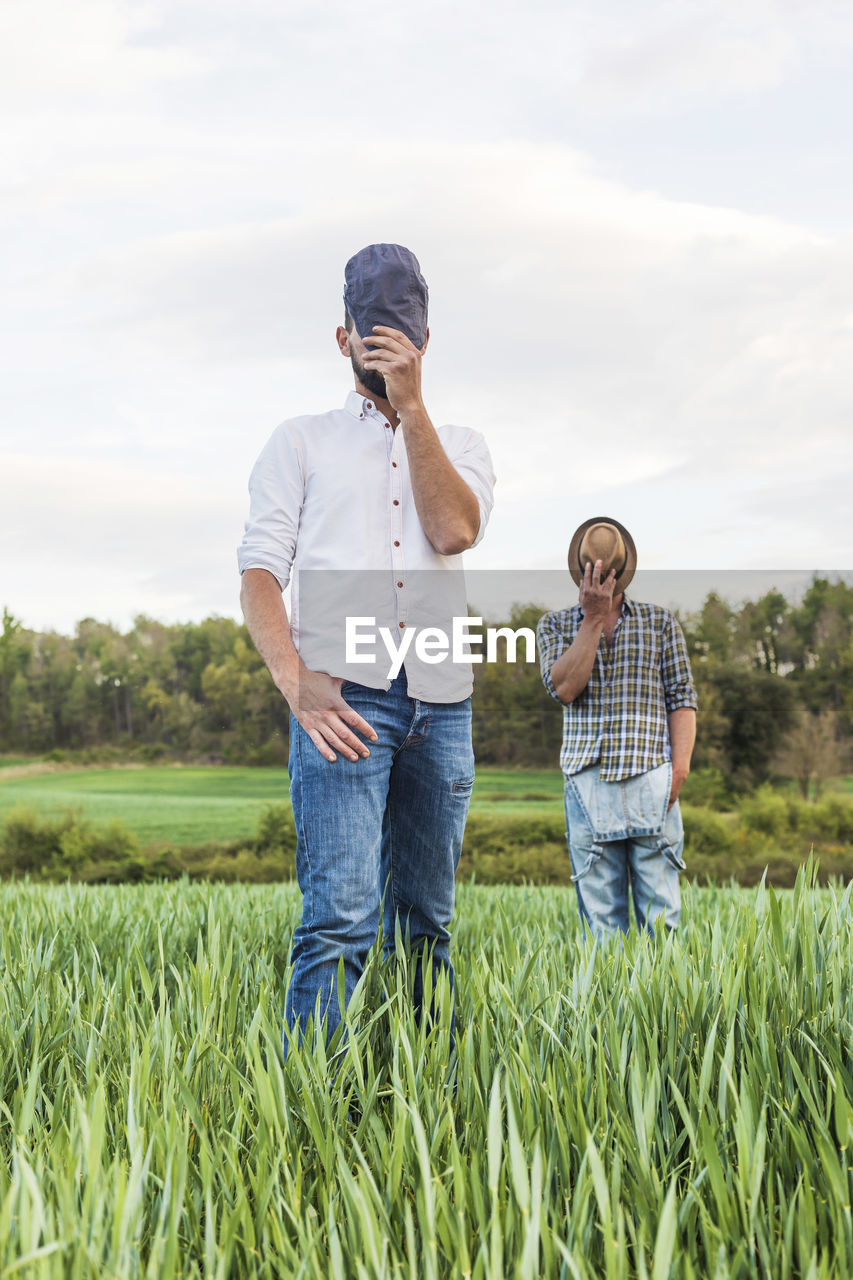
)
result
[(193, 805)]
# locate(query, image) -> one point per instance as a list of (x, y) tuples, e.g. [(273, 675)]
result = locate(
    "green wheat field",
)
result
[(676, 1106)]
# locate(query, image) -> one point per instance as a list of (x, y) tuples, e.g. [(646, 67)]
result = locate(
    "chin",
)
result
[(372, 382)]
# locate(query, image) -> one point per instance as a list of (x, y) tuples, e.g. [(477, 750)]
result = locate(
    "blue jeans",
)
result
[(387, 829), (622, 836)]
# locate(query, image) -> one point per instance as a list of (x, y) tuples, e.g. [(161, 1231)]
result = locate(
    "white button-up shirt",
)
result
[(332, 510)]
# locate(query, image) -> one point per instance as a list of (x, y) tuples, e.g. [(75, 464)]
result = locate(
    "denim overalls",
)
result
[(621, 834)]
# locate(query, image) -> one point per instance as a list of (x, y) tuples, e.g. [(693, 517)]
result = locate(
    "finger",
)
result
[(378, 361), (379, 357), (358, 722), (339, 738), (387, 331), (349, 742), (321, 745), (378, 340), (334, 730), (596, 573)]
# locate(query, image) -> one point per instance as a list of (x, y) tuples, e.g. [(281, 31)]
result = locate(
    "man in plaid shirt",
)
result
[(621, 670)]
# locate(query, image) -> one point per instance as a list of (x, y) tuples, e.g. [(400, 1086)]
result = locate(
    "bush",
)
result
[(26, 844), (707, 788), (276, 832), (68, 848), (774, 831), (511, 850), (234, 862), (830, 819), (768, 812), (705, 833)]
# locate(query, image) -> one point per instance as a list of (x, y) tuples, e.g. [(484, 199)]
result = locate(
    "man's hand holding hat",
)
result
[(387, 298), (396, 358), (596, 591), (605, 539)]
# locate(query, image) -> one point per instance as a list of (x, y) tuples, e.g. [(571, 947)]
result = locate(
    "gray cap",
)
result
[(384, 285)]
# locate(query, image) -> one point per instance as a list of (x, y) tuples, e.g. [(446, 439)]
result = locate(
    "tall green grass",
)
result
[(678, 1106)]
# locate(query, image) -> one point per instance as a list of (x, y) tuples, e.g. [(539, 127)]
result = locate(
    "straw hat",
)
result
[(605, 539)]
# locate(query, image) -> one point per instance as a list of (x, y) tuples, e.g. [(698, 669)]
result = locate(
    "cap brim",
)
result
[(366, 317)]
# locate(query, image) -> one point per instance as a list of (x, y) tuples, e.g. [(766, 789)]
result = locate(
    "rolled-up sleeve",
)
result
[(276, 494), (470, 456), (678, 688)]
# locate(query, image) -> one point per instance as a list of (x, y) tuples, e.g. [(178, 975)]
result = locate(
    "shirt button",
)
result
[(396, 502), (396, 544), (399, 584), (369, 404), (402, 624), (393, 464)]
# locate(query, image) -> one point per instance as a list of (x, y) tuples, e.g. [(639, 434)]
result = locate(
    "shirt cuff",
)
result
[(683, 701), (282, 576)]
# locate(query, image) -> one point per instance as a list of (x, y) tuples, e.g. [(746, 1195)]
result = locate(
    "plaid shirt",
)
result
[(620, 718)]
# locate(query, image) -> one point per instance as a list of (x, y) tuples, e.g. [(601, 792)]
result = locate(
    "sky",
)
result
[(635, 222)]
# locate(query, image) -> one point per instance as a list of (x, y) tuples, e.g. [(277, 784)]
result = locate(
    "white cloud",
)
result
[(182, 202), (52, 52), (110, 541)]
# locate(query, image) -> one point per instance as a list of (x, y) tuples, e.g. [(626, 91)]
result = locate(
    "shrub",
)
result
[(766, 811), (708, 788), (705, 832), (276, 831), (68, 847), (26, 844), (774, 831), (513, 849), (830, 819)]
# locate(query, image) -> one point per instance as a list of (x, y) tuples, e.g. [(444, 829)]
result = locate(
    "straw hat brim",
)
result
[(630, 567)]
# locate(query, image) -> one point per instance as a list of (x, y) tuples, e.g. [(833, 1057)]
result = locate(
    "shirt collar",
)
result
[(354, 404), (360, 407)]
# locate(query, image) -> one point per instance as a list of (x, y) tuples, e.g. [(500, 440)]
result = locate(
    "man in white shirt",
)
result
[(367, 509)]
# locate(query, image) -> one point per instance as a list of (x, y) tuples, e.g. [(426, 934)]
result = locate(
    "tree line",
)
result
[(775, 685)]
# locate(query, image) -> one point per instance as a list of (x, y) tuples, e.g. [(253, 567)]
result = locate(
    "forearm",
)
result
[(447, 509), (682, 737), (269, 626), (571, 672)]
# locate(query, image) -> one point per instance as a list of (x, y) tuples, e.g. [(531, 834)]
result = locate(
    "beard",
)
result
[(369, 379)]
